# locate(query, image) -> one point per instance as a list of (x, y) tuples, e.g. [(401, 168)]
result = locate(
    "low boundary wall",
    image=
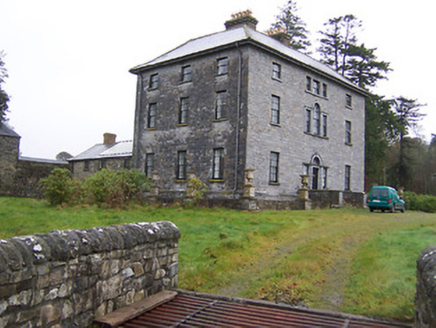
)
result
[(425, 300), (67, 278)]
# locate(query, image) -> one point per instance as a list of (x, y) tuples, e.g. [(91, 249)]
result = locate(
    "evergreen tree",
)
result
[(363, 68), (293, 26), (4, 98), (408, 116), (339, 35)]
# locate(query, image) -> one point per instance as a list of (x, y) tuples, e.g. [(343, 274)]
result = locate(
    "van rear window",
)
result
[(384, 193), (375, 192)]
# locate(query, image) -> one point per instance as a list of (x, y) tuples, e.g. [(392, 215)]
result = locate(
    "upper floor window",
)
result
[(151, 117), (154, 81), (181, 165), (275, 110), (274, 167), (221, 103), (316, 87), (186, 73), (348, 100), (347, 132), (183, 110), (149, 164), (276, 71), (347, 178), (86, 166), (218, 164), (308, 83), (223, 66), (324, 90), (316, 121)]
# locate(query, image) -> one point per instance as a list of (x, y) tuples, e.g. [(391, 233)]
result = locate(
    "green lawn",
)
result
[(342, 260)]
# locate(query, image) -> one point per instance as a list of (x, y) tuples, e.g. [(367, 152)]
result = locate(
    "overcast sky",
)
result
[(68, 61)]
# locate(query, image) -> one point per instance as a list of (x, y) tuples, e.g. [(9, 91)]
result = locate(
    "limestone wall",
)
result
[(425, 313), (67, 278)]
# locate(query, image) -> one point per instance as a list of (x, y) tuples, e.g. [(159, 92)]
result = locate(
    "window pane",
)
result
[(218, 164), (316, 87), (220, 105), (316, 119), (308, 83), (348, 100), (274, 167), (154, 81), (186, 73), (308, 119), (347, 177), (222, 65), (276, 73), (151, 120), (184, 110), (149, 164), (275, 110), (347, 131), (324, 125), (181, 165)]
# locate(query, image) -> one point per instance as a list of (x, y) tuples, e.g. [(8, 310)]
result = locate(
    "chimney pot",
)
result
[(109, 138)]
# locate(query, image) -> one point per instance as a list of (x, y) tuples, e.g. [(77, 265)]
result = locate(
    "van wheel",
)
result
[(371, 209), (403, 210)]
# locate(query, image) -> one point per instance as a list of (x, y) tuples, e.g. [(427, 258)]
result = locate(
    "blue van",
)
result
[(385, 199)]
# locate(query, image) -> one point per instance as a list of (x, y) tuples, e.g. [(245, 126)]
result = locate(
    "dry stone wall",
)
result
[(425, 313), (68, 278)]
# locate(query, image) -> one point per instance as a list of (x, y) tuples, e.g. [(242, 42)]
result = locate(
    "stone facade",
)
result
[(9, 151), (263, 125), (68, 278), (20, 176), (425, 300)]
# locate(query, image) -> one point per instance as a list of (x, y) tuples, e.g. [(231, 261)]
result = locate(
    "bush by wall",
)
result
[(106, 187), (424, 203)]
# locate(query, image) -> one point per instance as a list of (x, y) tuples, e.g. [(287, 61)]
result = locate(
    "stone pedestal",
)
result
[(249, 201), (303, 193)]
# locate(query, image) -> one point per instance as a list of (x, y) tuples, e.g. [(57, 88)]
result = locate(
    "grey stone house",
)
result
[(111, 154), (249, 116)]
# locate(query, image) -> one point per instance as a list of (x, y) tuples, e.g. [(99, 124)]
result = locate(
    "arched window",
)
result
[(316, 119)]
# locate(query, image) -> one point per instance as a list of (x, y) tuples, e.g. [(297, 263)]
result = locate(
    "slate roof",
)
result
[(41, 160), (99, 151), (7, 131), (190, 309), (242, 34)]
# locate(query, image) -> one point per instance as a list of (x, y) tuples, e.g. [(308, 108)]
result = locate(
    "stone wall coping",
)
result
[(19, 252)]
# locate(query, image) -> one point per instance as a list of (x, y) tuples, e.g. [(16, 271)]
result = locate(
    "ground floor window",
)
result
[(347, 182), (181, 165), (149, 164), (274, 167), (218, 164)]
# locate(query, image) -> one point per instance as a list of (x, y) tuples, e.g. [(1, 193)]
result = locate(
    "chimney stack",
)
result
[(109, 138), (280, 35), (240, 19)]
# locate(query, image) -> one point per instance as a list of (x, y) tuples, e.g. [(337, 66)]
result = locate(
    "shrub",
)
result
[(60, 187), (195, 192), (424, 203), (115, 188)]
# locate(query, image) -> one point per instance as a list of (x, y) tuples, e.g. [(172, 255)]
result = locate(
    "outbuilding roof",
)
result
[(237, 35), (105, 150), (7, 131)]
